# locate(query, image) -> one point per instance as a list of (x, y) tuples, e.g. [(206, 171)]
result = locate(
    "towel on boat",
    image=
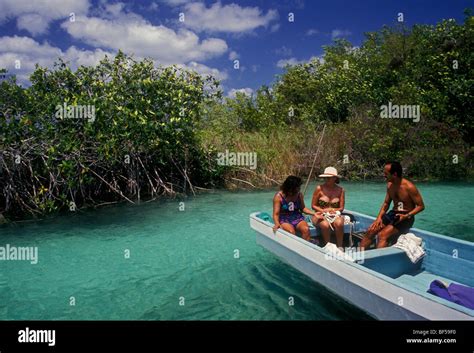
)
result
[(333, 252), (456, 293), (331, 217), (411, 244)]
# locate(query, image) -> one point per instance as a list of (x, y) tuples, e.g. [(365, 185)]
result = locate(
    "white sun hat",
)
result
[(329, 172)]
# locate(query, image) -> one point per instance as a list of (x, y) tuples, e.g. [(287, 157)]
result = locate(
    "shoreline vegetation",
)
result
[(125, 130)]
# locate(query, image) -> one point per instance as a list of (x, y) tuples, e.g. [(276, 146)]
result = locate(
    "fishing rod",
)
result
[(314, 160)]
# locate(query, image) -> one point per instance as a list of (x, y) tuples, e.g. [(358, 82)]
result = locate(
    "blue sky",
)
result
[(210, 36)]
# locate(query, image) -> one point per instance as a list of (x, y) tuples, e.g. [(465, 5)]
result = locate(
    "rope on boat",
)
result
[(314, 160)]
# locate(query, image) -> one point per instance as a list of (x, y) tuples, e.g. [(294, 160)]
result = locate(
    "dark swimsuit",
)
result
[(290, 212), (392, 216)]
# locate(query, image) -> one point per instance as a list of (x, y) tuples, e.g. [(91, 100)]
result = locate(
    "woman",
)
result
[(327, 200), (288, 208)]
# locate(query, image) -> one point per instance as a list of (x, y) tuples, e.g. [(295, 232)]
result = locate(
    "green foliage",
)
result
[(141, 139), (429, 66)]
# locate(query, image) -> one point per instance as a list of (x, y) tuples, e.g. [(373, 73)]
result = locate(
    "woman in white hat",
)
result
[(328, 202)]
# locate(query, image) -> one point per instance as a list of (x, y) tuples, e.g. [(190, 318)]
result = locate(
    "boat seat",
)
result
[(422, 279), (392, 262)]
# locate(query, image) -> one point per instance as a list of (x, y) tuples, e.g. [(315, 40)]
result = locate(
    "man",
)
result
[(407, 202)]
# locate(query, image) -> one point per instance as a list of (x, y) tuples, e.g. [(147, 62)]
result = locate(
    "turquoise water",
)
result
[(186, 257)]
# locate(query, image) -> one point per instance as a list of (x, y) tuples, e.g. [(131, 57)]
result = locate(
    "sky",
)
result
[(243, 43)]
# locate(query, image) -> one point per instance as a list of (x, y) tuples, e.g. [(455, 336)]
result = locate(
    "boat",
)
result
[(383, 282)]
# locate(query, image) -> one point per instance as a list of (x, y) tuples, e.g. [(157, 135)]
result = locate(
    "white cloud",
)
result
[(29, 52), (115, 29), (175, 2), (233, 55), (33, 23), (284, 51), (79, 57), (27, 46), (336, 33), (36, 16), (205, 70), (135, 35), (275, 27), (115, 9), (247, 91), (153, 7), (312, 32), (230, 18), (293, 61)]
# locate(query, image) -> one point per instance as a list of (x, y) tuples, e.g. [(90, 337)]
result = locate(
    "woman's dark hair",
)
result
[(291, 184), (396, 167)]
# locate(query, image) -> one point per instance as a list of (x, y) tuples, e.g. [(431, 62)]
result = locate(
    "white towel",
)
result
[(331, 217), (333, 252), (347, 219), (411, 244)]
